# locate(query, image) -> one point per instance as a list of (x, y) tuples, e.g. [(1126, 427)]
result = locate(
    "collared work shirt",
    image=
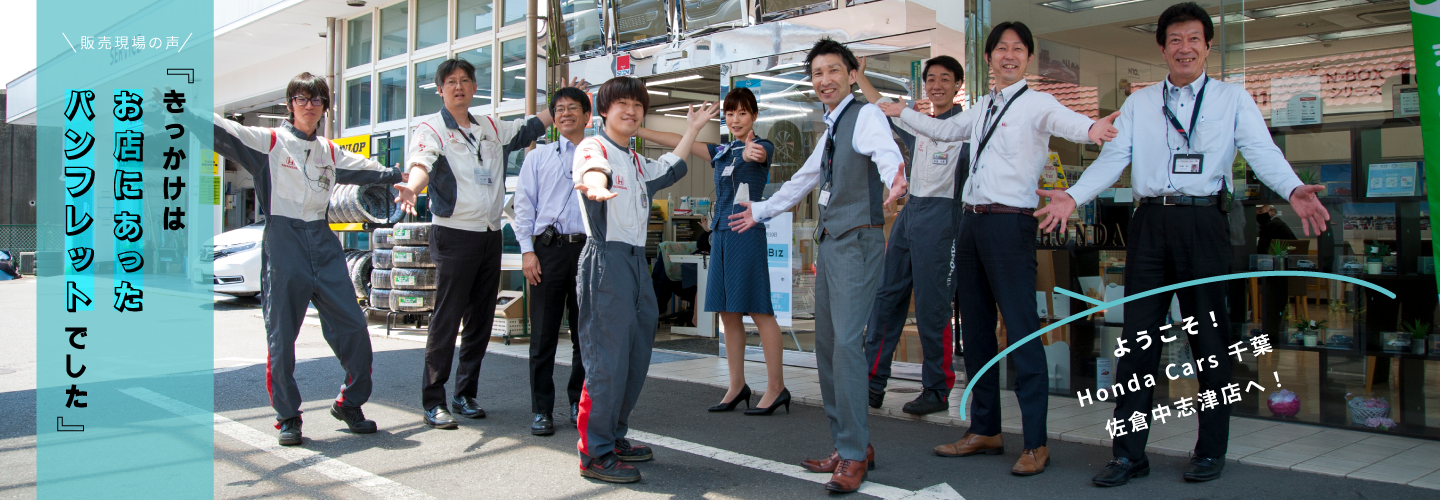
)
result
[(872, 138), (475, 157), (932, 163), (546, 195), (1229, 120), (1008, 171), (632, 178)]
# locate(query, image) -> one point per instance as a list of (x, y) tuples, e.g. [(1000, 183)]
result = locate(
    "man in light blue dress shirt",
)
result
[(551, 234), (1180, 139)]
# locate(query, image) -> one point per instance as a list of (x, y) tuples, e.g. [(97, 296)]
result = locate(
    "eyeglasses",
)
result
[(318, 102), (453, 83)]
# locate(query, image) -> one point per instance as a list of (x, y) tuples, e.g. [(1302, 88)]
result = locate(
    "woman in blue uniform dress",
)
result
[(739, 281)]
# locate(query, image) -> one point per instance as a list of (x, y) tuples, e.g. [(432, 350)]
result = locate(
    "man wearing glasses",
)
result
[(462, 160)]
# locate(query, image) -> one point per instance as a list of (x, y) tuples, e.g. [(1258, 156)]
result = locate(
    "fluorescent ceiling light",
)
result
[(687, 117), (781, 117), (783, 107), (1306, 8), (1322, 37), (274, 117), (785, 94), (659, 93), (674, 80), (1073, 6), (428, 86), (662, 110), (513, 68), (694, 96), (781, 80)]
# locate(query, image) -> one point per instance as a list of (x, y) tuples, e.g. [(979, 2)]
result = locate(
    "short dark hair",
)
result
[(573, 94), (309, 84), (449, 66), (741, 99), (948, 64), (828, 45), (623, 87), (1184, 12), (1021, 30)]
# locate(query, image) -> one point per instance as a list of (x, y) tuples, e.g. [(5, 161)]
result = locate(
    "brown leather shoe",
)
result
[(972, 444), (828, 464), (848, 476), (1032, 461)]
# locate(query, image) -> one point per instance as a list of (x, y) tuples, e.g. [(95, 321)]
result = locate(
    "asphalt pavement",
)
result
[(698, 454)]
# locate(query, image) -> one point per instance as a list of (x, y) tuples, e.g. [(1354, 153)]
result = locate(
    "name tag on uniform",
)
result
[(730, 169), (825, 197), (940, 158), (1186, 163), (483, 177)]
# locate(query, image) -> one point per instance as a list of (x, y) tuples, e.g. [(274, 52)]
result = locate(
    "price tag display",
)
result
[(405, 280), (404, 257), (403, 234)]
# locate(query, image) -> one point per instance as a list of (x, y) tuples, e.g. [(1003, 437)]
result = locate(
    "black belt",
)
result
[(1188, 201), (997, 209), (570, 238)]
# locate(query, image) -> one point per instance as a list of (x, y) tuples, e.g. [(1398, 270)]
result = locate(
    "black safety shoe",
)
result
[(353, 417), (439, 418), (928, 402), (544, 425), (611, 469), (877, 398), (466, 407), (632, 452), (575, 414), (290, 431), (1204, 469), (1120, 470)]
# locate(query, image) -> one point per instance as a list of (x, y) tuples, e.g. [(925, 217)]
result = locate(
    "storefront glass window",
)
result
[(512, 69), (639, 21), (392, 29), (357, 102), (426, 100), (514, 12), (429, 23), (582, 25), (484, 75), (474, 16), (387, 148), (357, 44), (782, 9), (392, 95)]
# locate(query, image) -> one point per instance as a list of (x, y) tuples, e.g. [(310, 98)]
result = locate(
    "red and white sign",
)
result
[(622, 65)]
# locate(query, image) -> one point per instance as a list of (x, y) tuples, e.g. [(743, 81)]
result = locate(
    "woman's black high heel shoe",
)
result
[(728, 406), (784, 399)]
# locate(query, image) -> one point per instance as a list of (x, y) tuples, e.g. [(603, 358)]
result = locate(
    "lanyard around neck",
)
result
[(992, 126), (1184, 131)]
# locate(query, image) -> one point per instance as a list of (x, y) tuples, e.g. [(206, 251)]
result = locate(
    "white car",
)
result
[(237, 261)]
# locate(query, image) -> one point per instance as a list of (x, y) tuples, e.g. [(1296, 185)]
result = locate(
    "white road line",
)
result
[(306, 459), (939, 491)]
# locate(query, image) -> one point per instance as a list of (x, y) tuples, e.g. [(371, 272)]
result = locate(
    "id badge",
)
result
[(483, 177), (1186, 163), (730, 169), (940, 158), (825, 197)]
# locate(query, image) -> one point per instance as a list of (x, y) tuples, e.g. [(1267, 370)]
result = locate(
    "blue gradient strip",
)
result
[(965, 399)]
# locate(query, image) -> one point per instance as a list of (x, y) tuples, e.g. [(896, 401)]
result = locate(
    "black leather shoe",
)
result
[(1120, 470), (611, 469), (928, 402), (632, 452), (439, 418), (466, 407), (290, 432), (353, 417), (1204, 469), (575, 414), (877, 398), (544, 425)]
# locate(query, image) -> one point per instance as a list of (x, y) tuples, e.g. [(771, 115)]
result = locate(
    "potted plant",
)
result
[(1418, 330), (1375, 257), (1279, 251)]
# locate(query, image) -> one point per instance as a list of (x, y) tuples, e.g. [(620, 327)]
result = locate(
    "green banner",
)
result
[(1425, 21)]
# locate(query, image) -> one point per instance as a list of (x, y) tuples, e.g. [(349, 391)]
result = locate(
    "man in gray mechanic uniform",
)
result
[(923, 238), (302, 261), (459, 154)]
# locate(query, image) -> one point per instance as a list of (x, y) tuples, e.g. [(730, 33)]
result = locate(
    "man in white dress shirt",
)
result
[(855, 160), (995, 263), (1180, 138)]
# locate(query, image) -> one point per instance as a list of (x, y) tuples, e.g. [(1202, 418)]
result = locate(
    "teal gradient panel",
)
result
[(156, 336)]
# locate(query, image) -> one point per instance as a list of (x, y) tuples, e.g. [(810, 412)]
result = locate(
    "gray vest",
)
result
[(857, 195)]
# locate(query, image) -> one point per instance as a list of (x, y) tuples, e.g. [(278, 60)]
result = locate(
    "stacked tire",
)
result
[(374, 203), (412, 275), (358, 265)]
